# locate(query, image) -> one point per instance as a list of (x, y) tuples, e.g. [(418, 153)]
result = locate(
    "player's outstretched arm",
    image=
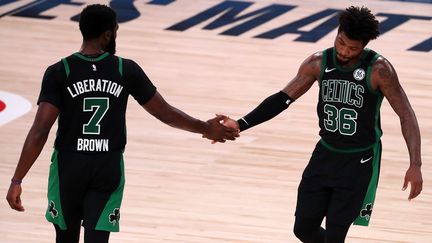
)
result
[(385, 78), (211, 129), (273, 105), (35, 141)]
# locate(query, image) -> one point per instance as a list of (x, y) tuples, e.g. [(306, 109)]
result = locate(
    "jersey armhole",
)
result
[(323, 65), (369, 74)]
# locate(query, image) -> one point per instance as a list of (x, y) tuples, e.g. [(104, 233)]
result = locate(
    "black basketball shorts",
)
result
[(86, 188), (340, 186)]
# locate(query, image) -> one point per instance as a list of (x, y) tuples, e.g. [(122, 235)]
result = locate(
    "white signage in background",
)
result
[(12, 106)]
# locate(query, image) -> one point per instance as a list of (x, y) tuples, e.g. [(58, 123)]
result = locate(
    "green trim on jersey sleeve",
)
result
[(66, 65), (369, 74), (323, 64), (110, 216), (77, 54), (120, 67), (378, 131), (350, 150), (54, 213)]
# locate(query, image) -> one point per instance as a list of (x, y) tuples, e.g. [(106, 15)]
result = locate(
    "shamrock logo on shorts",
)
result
[(114, 217), (366, 212), (52, 210)]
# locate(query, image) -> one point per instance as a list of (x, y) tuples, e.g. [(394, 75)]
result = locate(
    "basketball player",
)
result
[(88, 92), (340, 181)]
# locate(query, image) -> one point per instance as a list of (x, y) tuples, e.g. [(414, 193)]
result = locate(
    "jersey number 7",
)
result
[(99, 106)]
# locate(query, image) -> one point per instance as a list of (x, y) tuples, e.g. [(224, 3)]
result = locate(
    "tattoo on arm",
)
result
[(313, 63), (384, 73), (393, 91), (306, 76)]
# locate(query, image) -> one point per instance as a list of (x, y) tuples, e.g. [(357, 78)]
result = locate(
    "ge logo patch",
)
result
[(359, 74), (12, 106)]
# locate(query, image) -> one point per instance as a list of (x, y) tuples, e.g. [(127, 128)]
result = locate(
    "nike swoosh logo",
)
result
[(362, 161), (329, 70)]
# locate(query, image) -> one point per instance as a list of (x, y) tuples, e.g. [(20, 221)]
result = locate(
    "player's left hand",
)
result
[(414, 177), (14, 197)]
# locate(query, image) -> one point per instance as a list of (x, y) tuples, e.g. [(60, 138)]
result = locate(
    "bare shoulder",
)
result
[(384, 75), (382, 69), (312, 64), (307, 74), (314, 60)]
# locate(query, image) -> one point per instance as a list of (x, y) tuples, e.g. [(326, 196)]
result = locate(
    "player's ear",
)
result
[(108, 35)]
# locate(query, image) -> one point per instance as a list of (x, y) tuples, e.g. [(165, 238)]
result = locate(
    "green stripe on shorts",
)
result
[(367, 207), (110, 216), (54, 213)]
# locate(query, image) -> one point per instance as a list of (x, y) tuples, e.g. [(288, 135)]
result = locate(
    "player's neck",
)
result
[(91, 48)]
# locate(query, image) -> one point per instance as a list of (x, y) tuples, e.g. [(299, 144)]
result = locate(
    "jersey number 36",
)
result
[(343, 120)]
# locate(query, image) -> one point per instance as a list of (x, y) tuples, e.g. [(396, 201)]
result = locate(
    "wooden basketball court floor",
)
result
[(181, 188)]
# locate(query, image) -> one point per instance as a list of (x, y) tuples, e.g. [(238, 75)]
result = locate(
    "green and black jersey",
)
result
[(348, 107), (91, 94)]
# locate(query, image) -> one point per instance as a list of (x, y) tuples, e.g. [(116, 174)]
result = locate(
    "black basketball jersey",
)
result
[(91, 94), (348, 107)]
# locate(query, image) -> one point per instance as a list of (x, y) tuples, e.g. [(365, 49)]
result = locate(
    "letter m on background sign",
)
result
[(231, 10)]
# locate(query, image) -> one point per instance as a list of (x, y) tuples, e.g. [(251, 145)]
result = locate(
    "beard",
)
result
[(111, 48)]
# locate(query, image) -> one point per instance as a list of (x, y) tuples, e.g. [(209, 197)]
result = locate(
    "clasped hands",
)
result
[(221, 128)]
